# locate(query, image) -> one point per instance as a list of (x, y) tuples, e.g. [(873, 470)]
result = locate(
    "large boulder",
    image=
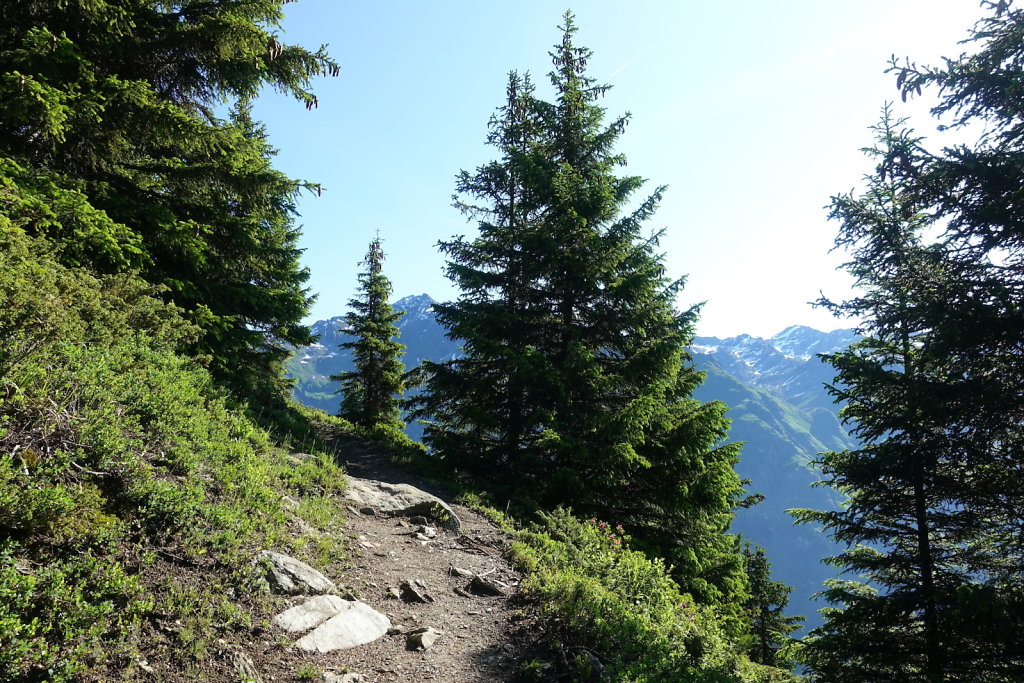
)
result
[(287, 575), (310, 613), (401, 499), (356, 624)]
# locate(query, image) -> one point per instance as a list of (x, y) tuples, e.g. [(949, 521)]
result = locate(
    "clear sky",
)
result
[(751, 112)]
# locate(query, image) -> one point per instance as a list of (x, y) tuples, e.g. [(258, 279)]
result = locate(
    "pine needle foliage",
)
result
[(108, 108), (934, 518), (769, 642), (933, 575), (371, 392), (575, 385)]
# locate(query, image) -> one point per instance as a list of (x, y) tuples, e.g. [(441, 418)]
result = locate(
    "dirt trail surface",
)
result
[(399, 562)]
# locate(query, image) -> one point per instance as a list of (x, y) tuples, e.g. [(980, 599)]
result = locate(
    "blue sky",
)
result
[(751, 112)]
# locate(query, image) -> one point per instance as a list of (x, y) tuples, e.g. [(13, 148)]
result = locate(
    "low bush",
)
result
[(598, 596), (116, 454)]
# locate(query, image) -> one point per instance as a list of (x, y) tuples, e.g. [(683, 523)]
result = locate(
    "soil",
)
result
[(483, 636)]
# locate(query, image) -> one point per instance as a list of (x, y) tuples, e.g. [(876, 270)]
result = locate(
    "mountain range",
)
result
[(775, 390)]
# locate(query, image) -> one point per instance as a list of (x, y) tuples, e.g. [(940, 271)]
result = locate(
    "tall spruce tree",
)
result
[(498, 318), (371, 392), (965, 617), (911, 521), (575, 388), (107, 109)]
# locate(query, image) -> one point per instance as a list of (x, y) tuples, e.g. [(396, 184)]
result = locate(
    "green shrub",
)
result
[(60, 618), (596, 593), (115, 451)]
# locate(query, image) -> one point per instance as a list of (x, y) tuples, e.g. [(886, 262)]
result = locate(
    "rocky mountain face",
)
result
[(775, 390), (778, 403)]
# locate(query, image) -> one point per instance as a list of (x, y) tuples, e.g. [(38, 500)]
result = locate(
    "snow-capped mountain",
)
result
[(798, 341), (786, 364), (313, 365)]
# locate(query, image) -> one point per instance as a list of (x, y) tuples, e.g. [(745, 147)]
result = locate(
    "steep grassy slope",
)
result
[(781, 439), (132, 498)]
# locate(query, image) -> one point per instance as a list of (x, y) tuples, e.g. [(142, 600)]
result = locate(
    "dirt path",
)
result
[(483, 636)]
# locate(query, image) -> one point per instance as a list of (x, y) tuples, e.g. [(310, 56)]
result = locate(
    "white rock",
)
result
[(356, 624), (401, 499), (288, 575), (312, 612), (344, 678), (422, 638)]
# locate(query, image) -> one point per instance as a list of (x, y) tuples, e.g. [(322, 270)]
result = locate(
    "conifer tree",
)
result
[(915, 538), (496, 319), (954, 608), (371, 392), (569, 328), (974, 191), (770, 628), (109, 107)]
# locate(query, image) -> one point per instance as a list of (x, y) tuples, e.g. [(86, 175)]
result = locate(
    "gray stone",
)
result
[(344, 678), (401, 499), (287, 575), (596, 667), (411, 593), (485, 586), (422, 638), (299, 458), (312, 612), (356, 624), (245, 668)]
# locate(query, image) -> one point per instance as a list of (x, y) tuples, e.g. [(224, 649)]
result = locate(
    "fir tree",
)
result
[(575, 388), (958, 606), (911, 520), (110, 106), (974, 191), (496, 319), (770, 628), (370, 392)]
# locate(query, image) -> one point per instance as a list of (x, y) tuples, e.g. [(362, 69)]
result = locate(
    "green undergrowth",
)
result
[(601, 601), (324, 431), (131, 493)]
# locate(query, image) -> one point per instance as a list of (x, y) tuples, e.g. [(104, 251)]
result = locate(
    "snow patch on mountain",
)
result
[(785, 364), (799, 341)]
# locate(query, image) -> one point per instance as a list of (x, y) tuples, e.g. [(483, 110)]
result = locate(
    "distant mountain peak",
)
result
[(794, 330), (800, 341), (414, 301), (417, 307)]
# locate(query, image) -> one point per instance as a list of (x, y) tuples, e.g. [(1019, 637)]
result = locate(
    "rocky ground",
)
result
[(436, 572), (426, 594)]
